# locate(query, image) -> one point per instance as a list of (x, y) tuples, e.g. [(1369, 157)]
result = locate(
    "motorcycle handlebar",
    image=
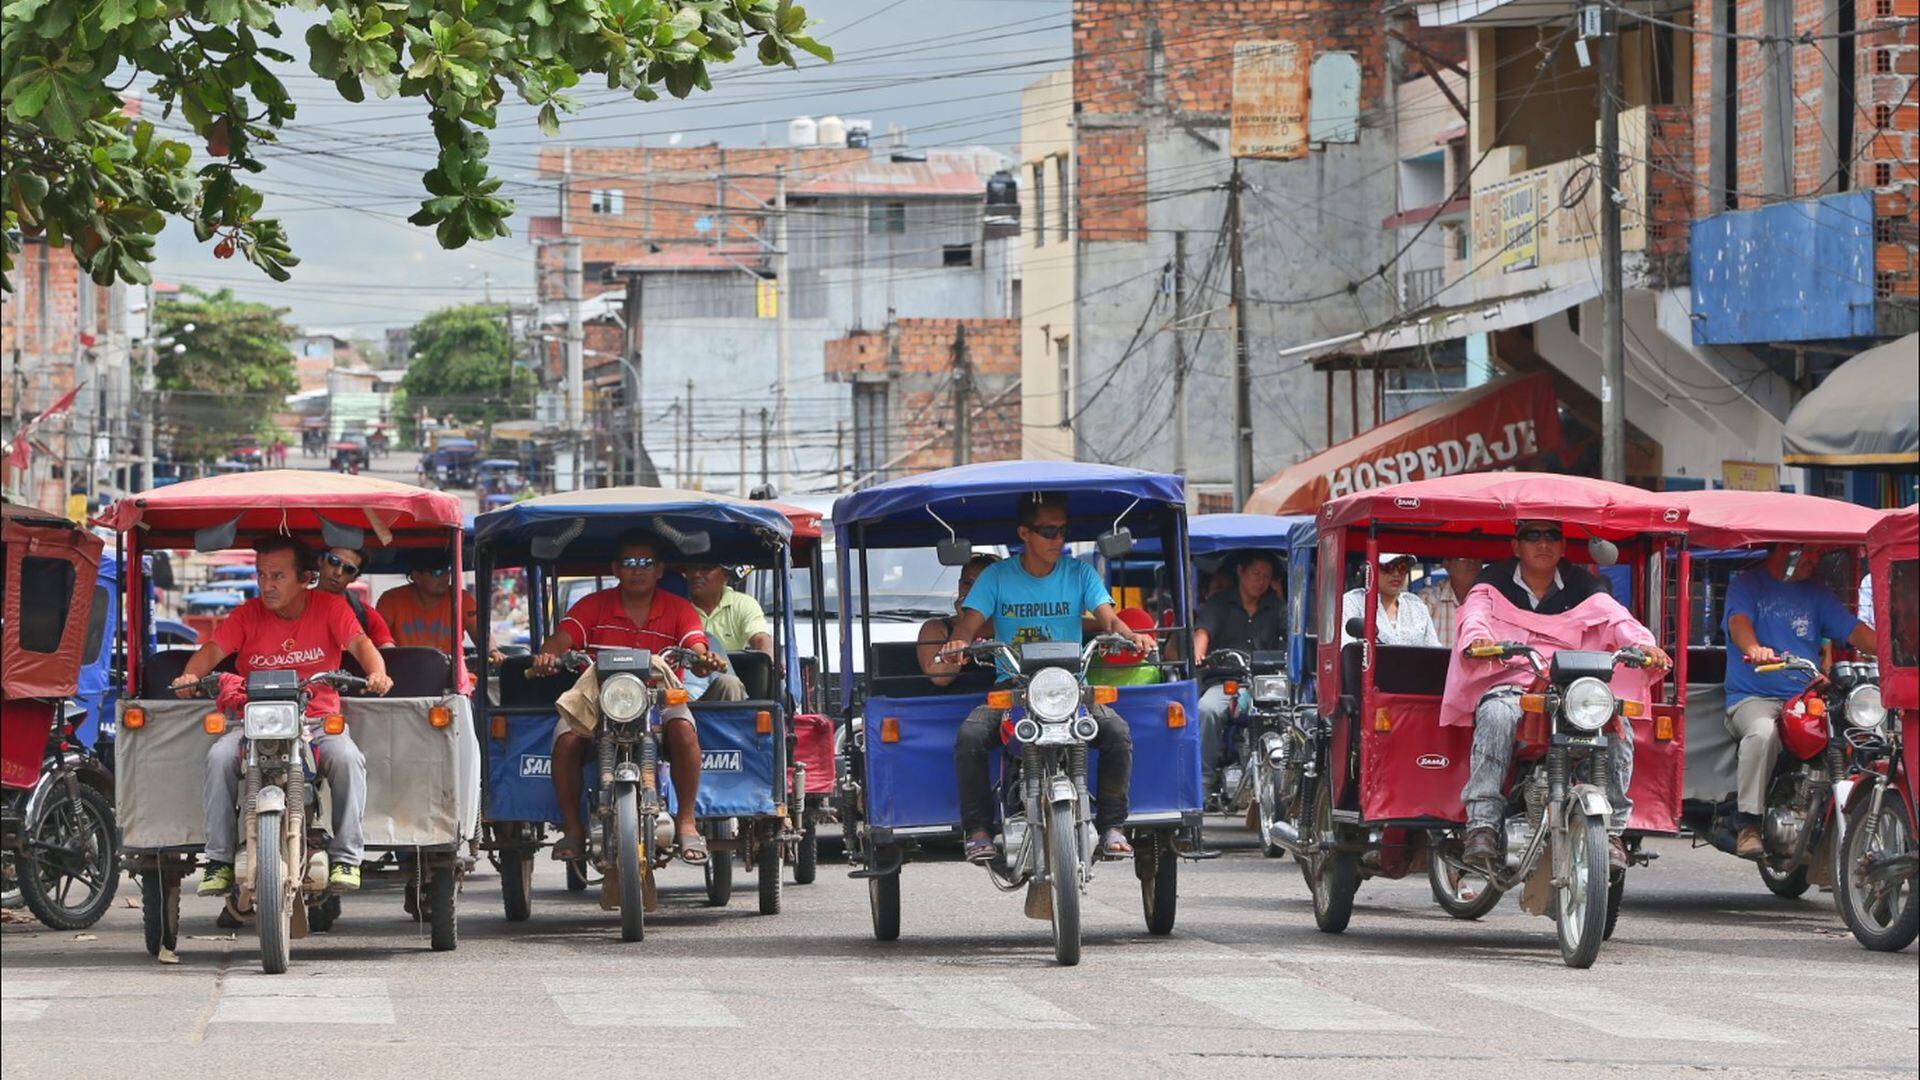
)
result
[(1787, 662)]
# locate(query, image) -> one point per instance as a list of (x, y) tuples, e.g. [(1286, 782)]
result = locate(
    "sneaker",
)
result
[(1481, 847), (344, 878), (217, 880)]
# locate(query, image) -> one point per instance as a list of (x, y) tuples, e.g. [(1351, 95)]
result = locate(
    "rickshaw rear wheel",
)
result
[(769, 859), (272, 916), (719, 868), (806, 861), (576, 875), (516, 883), (1790, 885), (159, 911), (883, 898), (1447, 878), (1616, 892), (1063, 877), (1582, 902), (322, 916), (1159, 883), (1891, 924), (443, 898), (1333, 875), (632, 852)]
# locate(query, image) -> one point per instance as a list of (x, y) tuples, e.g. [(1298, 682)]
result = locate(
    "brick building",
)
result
[(912, 383)]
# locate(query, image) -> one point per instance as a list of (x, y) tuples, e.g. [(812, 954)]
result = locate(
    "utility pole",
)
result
[(1242, 400), (147, 400), (576, 356), (962, 399), (781, 294), (742, 486), (1613, 356), (1180, 354), (766, 437), (839, 452), (689, 435)]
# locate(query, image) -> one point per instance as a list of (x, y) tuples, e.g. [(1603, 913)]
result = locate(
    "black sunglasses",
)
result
[(635, 562), (341, 564), (1050, 532), (1539, 536)]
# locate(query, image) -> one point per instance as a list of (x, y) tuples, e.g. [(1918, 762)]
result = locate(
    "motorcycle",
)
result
[(60, 833), (1262, 747), (1874, 875)]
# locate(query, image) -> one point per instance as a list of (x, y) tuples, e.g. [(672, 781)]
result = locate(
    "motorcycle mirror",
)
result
[(161, 573), (1115, 542), (1356, 627), (954, 551), (216, 537), (1794, 555), (1603, 552)]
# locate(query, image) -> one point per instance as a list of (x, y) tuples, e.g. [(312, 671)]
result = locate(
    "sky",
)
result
[(344, 177)]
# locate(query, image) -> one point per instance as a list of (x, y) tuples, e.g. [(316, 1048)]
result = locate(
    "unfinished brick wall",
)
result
[(915, 358), (1890, 162), (1670, 140)]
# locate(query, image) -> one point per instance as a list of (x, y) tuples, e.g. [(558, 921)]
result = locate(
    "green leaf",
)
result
[(549, 120)]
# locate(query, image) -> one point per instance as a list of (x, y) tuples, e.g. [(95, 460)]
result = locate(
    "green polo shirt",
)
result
[(734, 621)]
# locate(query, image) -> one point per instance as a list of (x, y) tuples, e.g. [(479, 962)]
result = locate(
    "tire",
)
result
[(1063, 877), (769, 859), (1787, 886), (159, 911), (1449, 881), (322, 916), (1881, 921), (1269, 803), (629, 853), (1160, 887), (883, 902), (576, 875), (719, 870), (806, 862), (272, 913), (516, 884), (443, 904), (1582, 901), (1616, 892), (1334, 876), (84, 854)]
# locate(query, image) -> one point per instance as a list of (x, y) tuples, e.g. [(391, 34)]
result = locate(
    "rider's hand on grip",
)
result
[(1484, 650)]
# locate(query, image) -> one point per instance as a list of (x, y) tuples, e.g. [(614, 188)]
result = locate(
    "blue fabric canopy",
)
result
[(1211, 534), (980, 501), (586, 524)]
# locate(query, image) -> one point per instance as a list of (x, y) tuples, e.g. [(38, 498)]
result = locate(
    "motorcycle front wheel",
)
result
[(1063, 876), (1884, 915), (630, 851), (1582, 901), (70, 869), (273, 915)]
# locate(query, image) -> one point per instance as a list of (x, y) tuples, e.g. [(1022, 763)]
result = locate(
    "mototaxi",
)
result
[(746, 807), (898, 793), (423, 762)]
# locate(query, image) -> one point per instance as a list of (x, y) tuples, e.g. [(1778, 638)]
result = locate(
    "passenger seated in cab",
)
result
[(635, 614), (935, 633), (1774, 608), (1251, 618), (340, 567), (734, 622), (1540, 599), (1402, 618), (420, 612), (287, 627), (1039, 596)]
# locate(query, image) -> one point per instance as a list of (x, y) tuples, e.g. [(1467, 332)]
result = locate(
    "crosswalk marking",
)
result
[(638, 1001), (1288, 1004), (286, 999), (944, 1001), (27, 999), (1880, 1012), (1615, 1014)]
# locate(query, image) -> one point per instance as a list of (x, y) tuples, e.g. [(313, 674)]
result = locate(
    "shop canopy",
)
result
[(1865, 415), (1738, 519), (1492, 502), (1494, 426)]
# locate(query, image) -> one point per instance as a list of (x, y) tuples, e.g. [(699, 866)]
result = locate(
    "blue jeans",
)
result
[(1495, 722)]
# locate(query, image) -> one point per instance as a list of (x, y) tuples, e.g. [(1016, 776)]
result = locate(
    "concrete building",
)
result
[(929, 393), (1047, 267), (318, 351)]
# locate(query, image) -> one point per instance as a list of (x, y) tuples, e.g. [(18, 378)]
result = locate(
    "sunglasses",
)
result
[(635, 562), (340, 564), (437, 571), (1398, 566), (1048, 532), (1539, 536)]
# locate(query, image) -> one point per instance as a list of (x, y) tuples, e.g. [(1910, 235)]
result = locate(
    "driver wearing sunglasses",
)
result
[(339, 568)]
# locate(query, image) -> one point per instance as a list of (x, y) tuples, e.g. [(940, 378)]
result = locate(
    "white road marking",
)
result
[(295, 999), (942, 1001), (1878, 1011), (1616, 1014), (28, 999), (638, 1001), (1288, 1004)]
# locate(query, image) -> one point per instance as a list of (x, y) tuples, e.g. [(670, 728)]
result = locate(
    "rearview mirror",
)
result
[(162, 572), (1356, 627), (1604, 552), (1115, 543), (954, 551)]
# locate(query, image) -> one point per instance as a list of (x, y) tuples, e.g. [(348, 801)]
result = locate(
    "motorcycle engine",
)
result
[(1519, 835), (1783, 826)]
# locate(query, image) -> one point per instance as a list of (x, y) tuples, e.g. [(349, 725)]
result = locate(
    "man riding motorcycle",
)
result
[(286, 627), (1249, 618), (1540, 599)]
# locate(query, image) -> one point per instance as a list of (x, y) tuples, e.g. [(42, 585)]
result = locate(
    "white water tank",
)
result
[(832, 131), (802, 131)]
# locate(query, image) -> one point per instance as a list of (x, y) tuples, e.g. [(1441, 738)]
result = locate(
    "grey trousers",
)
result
[(1215, 707), (1756, 723), (341, 763), (1495, 721), (725, 686)]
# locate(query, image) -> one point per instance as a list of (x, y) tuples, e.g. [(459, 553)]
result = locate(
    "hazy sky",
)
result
[(344, 177)]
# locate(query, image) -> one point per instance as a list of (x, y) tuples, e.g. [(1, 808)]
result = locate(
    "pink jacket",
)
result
[(1598, 622)]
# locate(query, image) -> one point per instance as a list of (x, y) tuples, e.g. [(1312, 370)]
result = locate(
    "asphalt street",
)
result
[(1708, 973)]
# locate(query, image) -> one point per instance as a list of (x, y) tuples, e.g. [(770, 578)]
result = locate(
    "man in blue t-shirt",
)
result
[(1039, 596), (1773, 609)]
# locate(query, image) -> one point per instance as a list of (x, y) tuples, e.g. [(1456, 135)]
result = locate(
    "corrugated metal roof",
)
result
[(691, 257), (945, 173)]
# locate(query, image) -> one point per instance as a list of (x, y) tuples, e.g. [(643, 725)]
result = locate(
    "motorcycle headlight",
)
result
[(1864, 707), (1271, 689), (623, 697), (1053, 694), (272, 720), (1588, 704)]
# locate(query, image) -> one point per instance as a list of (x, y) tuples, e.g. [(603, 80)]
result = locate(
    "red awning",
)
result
[(1495, 426), (1726, 519)]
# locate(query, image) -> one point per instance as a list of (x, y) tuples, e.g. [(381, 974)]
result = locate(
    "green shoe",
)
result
[(217, 880), (344, 878)]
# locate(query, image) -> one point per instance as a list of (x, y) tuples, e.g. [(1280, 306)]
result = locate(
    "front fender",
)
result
[(1592, 800), (81, 768), (270, 798), (1062, 790)]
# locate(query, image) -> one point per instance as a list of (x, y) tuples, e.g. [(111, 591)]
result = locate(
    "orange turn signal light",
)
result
[(134, 719), (1663, 728), (999, 699), (763, 722), (438, 716), (1382, 720), (1106, 695), (1533, 703), (1816, 707), (1176, 714), (335, 724), (499, 725), (1633, 710), (890, 729), (1231, 687), (213, 723), (674, 696)]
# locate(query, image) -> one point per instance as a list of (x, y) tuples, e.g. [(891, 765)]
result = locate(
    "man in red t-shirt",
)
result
[(287, 627), (634, 614)]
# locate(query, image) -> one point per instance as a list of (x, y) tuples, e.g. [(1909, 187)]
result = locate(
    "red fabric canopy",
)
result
[(1475, 500), (284, 499), (35, 543), (1896, 538), (1727, 519), (806, 523)]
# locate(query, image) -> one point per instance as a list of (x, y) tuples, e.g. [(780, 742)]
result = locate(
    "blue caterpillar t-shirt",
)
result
[(1026, 608), (1787, 617)]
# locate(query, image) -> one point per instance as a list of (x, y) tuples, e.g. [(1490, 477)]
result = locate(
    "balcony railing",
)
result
[(1419, 287)]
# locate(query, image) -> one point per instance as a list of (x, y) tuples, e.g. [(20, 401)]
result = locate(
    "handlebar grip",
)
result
[(1768, 669), (1485, 652)]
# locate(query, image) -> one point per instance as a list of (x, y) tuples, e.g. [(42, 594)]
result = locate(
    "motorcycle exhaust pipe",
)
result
[(1282, 834)]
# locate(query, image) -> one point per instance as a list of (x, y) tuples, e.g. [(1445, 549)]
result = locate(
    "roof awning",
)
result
[(1497, 425), (1445, 324), (1522, 12), (1863, 415)]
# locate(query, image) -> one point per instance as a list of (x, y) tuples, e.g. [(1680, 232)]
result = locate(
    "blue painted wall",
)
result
[(1795, 271)]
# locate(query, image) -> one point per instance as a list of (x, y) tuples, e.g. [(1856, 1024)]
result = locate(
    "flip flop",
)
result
[(980, 849), (693, 849), (567, 849), (1115, 846)]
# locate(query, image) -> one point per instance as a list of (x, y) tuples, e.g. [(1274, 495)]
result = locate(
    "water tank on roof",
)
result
[(802, 131), (859, 134), (832, 131)]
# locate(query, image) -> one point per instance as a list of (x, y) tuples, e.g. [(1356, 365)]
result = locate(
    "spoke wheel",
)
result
[(1063, 874), (516, 884), (69, 873), (806, 863), (883, 902), (1333, 875), (630, 852), (272, 906), (1883, 914), (1582, 901), (1461, 891), (1159, 871)]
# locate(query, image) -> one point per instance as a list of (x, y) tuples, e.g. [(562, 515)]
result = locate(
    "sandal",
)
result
[(1114, 845), (568, 849), (980, 850), (693, 849)]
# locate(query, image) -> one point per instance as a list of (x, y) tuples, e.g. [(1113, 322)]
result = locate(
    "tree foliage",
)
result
[(463, 366), (86, 176), (233, 370)]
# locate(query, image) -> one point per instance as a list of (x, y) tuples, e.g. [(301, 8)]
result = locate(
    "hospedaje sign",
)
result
[(1499, 425)]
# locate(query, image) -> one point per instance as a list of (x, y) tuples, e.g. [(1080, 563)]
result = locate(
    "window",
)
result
[(46, 594), (607, 201), (1040, 205), (957, 255), (97, 624), (1066, 204), (1063, 351), (1726, 88), (887, 219), (870, 419)]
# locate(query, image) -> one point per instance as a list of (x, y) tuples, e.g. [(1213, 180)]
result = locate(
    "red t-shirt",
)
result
[(600, 619), (309, 644)]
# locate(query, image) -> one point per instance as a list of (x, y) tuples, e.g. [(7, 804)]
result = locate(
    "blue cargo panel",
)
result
[(736, 776), (520, 770)]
